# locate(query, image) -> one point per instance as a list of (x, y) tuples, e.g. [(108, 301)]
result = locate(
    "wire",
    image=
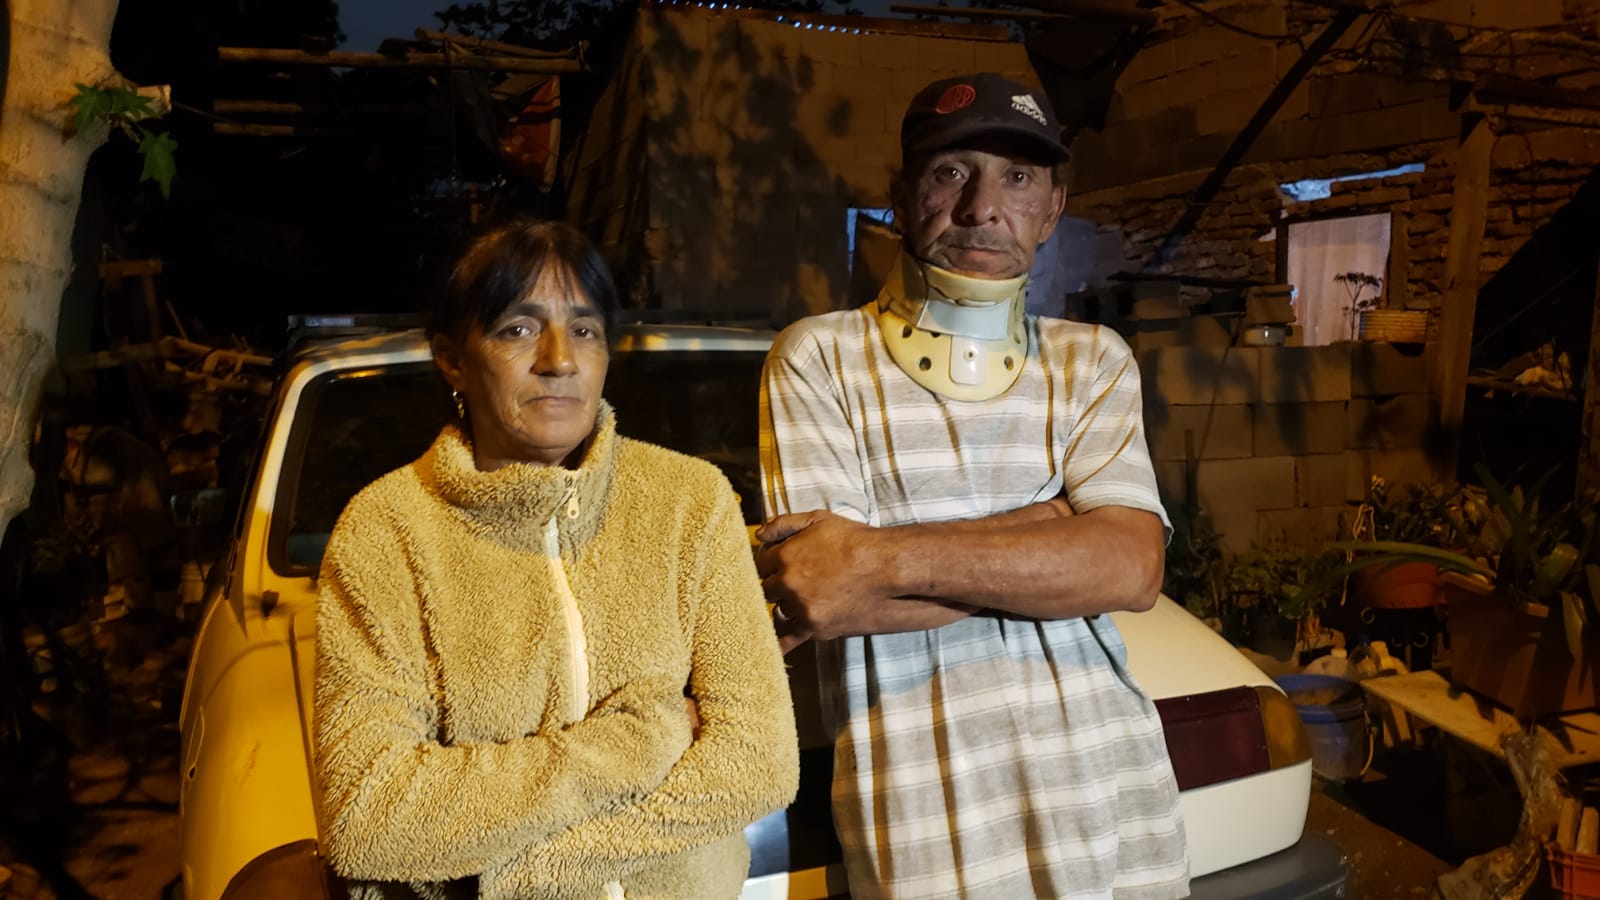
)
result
[(1206, 13)]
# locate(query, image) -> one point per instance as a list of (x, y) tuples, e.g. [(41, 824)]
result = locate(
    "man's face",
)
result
[(980, 209)]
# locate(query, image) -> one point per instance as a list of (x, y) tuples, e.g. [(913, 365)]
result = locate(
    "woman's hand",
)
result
[(694, 715)]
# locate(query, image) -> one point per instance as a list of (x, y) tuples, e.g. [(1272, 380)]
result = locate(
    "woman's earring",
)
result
[(461, 405)]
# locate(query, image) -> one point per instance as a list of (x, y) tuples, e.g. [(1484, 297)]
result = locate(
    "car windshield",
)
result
[(352, 427)]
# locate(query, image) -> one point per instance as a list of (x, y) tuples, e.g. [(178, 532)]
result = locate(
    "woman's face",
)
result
[(532, 379)]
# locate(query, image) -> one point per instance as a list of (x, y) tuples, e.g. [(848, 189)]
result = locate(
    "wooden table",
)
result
[(1426, 696)]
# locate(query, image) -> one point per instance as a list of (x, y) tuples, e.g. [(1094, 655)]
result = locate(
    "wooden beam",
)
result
[(1458, 308), (967, 12), (1208, 190), (1540, 115), (282, 108), (499, 47), (239, 129), (1088, 9), (339, 59), (1491, 88)]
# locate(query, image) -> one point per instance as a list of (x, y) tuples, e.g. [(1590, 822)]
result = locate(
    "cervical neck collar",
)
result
[(958, 336)]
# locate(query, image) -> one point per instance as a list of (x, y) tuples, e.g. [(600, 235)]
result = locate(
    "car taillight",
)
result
[(1222, 735), (293, 870)]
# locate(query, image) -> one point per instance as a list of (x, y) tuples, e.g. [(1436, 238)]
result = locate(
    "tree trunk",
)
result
[(51, 46)]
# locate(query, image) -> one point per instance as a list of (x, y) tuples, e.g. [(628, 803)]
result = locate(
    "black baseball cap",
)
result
[(951, 110)]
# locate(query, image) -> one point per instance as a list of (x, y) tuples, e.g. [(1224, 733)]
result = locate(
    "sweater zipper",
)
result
[(577, 644)]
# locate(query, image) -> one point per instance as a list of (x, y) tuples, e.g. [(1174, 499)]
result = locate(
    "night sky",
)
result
[(367, 22)]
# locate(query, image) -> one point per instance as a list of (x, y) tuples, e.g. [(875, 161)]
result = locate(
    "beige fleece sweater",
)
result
[(501, 662)]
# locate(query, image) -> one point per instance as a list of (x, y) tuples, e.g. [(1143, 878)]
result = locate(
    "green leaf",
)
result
[(1573, 621), (1391, 553), (129, 103), (157, 149), (89, 104)]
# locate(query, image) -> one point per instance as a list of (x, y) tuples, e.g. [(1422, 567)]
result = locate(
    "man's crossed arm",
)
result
[(833, 577)]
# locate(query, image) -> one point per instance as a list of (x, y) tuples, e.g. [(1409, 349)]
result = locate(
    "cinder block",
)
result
[(1322, 480), (1346, 93), (1253, 70), (1395, 422), (1145, 98), (1236, 529), (1199, 375), (1309, 527), (1194, 153), (1211, 42), (1237, 485), (822, 48), (1381, 368), (1400, 91), (1170, 482), (1410, 465), (1524, 14), (865, 183), (1190, 86), (1219, 432), (1296, 106), (1228, 112), (891, 51), (1297, 429), (1305, 374), (908, 81), (1152, 61), (946, 53)]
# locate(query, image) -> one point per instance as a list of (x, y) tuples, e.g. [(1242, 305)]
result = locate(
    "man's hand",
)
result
[(809, 568), (824, 573)]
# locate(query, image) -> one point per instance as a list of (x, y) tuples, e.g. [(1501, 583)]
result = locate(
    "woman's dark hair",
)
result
[(504, 264)]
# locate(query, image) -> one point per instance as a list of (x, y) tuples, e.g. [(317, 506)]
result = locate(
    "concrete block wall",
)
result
[(1187, 94), (1283, 440), (761, 135)]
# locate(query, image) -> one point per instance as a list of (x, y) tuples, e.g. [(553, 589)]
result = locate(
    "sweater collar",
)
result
[(522, 495)]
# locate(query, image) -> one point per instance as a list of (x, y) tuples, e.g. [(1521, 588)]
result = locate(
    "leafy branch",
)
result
[(1356, 282), (123, 108)]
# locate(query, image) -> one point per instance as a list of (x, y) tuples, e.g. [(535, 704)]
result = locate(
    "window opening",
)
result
[(1338, 268)]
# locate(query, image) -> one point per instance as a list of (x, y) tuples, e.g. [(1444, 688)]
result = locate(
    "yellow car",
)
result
[(348, 411)]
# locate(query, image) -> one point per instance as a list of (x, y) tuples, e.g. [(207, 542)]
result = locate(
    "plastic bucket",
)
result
[(1334, 713)]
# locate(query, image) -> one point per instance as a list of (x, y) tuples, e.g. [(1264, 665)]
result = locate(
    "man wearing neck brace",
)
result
[(958, 491)]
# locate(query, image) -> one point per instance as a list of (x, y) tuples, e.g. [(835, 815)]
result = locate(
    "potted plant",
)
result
[(1194, 568), (1354, 284), (1370, 322), (1519, 598), (1279, 588), (1417, 514)]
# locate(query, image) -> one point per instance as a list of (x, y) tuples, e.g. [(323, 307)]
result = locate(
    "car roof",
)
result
[(632, 337)]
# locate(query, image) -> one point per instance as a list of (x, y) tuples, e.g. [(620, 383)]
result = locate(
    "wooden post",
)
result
[(408, 60), (1589, 443), (1459, 306)]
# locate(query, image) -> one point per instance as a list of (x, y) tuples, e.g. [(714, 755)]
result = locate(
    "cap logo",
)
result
[(1025, 104), (956, 96)]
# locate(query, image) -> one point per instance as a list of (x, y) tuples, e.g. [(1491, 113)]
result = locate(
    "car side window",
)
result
[(351, 428)]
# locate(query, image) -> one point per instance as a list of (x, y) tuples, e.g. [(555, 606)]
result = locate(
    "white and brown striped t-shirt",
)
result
[(994, 757)]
